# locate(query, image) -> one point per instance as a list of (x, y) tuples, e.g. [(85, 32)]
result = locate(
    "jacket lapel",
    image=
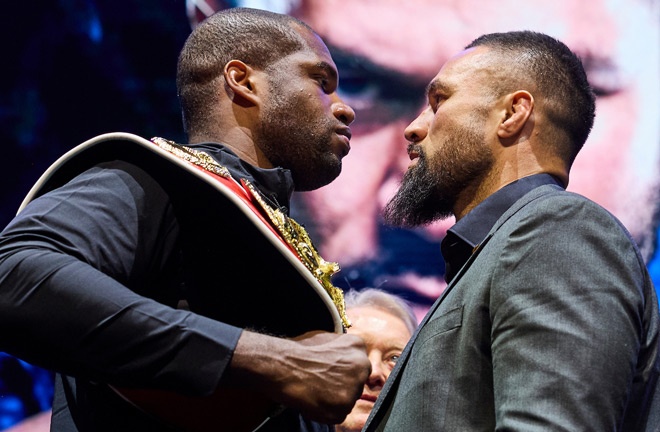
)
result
[(377, 414), (383, 405)]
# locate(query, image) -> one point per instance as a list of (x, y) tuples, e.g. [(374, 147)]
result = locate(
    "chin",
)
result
[(353, 423), (321, 177)]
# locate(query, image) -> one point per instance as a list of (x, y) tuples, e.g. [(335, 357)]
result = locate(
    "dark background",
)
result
[(73, 69)]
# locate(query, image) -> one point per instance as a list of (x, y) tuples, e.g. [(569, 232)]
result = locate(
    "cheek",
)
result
[(387, 367), (358, 417), (443, 130), (618, 165)]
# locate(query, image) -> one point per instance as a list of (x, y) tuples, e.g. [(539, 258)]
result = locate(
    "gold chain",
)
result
[(197, 157)]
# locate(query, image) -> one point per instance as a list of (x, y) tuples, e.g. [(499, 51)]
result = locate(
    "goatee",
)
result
[(418, 201)]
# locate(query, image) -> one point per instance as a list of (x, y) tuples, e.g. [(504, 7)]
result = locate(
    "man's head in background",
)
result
[(386, 53)]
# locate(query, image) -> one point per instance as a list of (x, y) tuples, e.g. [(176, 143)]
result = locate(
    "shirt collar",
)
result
[(276, 184), (472, 229)]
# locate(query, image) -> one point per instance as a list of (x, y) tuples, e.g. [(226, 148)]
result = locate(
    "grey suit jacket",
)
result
[(551, 325)]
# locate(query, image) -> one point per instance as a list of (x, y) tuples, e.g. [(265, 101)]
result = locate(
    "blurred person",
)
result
[(129, 274), (385, 322), (387, 51), (550, 320)]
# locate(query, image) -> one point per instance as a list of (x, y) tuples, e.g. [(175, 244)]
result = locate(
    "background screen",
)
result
[(73, 69)]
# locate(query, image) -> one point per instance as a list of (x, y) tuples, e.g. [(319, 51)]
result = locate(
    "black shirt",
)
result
[(90, 281), (472, 229)]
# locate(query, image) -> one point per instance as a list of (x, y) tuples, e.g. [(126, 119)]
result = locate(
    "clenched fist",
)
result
[(319, 374)]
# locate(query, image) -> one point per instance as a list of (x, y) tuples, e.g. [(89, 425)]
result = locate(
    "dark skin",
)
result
[(318, 373)]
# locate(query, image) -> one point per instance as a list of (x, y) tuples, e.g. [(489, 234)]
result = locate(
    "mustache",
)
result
[(415, 150)]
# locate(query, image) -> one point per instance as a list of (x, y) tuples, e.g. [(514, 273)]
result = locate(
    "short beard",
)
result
[(297, 140)]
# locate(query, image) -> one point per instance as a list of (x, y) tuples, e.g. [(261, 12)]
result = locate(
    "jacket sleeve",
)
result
[(567, 320), (80, 269)]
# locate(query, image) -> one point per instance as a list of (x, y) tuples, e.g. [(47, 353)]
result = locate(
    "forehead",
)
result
[(316, 53), (370, 322), (314, 42), (468, 67), (417, 36)]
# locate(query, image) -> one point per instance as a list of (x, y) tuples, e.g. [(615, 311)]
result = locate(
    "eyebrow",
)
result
[(327, 68), (436, 86)]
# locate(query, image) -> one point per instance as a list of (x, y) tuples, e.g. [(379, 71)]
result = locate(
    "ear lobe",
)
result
[(240, 79), (519, 108)]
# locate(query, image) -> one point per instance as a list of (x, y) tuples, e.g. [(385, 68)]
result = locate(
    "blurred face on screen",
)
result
[(387, 51)]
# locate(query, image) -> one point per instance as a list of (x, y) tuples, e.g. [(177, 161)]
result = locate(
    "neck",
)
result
[(237, 139)]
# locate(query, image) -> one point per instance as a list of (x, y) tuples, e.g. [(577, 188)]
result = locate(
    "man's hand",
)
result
[(319, 374)]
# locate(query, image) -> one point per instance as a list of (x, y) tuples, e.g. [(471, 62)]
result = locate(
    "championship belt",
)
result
[(258, 267)]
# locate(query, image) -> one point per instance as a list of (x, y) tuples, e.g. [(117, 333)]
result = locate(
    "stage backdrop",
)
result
[(73, 69)]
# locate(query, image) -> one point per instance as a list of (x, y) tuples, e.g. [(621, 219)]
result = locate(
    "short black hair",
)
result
[(253, 36), (559, 76)]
